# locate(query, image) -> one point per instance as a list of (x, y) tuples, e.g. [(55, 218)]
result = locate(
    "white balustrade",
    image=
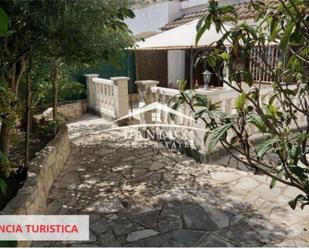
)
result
[(108, 98), (226, 98), (150, 93)]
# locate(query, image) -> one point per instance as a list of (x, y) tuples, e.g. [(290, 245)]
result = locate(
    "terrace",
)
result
[(139, 193)]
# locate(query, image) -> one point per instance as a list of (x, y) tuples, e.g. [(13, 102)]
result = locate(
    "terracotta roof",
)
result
[(243, 11)]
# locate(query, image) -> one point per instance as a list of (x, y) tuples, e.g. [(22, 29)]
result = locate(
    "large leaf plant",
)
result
[(282, 118)]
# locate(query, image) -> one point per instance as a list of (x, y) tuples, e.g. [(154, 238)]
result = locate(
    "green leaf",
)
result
[(182, 85), (299, 172), (289, 91), (217, 134), (258, 122), (199, 113), (201, 28), (274, 29), (212, 60), (272, 183), (272, 109), (201, 101), (228, 18), (266, 146), (129, 13), (286, 36), (206, 136), (3, 22), (240, 102), (296, 38), (295, 152), (218, 26), (247, 77), (3, 186), (227, 9), (293, 203), (225, 56), (272, 99)]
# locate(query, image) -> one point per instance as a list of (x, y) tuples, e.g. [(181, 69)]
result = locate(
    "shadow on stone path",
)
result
[(139, 194)]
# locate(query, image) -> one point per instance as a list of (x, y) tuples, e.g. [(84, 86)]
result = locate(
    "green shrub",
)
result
[(72, 91), (47, 128)]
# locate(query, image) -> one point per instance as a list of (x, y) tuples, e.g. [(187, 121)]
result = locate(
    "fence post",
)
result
[(121, 96), (91, 95), (144, 89)]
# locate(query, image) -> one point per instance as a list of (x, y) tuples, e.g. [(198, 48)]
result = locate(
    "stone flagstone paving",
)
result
[(153, 197)]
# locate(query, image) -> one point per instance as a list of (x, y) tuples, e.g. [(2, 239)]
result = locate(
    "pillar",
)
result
[(121, 96), (91, 96)]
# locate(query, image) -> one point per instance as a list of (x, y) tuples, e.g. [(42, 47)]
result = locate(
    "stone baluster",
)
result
[(121, 96), (187, 112), (105, 95), (98, 97), (164, 114), (109, 104), (169, 120)]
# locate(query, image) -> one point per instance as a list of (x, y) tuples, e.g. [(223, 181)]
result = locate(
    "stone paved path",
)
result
[(153, 197)]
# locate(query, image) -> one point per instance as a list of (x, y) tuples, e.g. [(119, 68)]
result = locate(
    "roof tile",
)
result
[(243, 11)]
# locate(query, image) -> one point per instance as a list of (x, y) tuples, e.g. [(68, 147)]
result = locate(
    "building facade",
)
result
[(177, 64)]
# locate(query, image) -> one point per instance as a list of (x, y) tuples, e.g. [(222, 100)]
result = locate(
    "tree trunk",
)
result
[(6, 129), (5, 139), (16, 72), (28, 118), (54, 78)]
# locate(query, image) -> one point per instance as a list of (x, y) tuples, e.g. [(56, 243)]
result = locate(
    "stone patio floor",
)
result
[(140, 194)]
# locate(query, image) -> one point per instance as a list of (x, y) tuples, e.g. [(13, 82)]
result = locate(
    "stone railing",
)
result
[(108, 98), (226, 98)]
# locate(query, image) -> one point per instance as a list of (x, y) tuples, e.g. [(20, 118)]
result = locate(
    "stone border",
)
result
[(69, 110), (41, 108), (74, 109), (44, 168)]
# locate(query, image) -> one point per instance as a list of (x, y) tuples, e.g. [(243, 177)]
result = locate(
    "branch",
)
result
[(259, 168), (305, 31), (298, 56), (23, 64), (299, 15)]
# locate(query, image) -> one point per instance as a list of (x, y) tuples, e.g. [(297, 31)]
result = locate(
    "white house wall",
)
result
[(148, 20), (193, 6), (190, 6), (176, 67)]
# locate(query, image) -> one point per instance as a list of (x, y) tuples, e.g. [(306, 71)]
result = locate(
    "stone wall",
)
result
[(44, 169), (69, 111), (73, 110)]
